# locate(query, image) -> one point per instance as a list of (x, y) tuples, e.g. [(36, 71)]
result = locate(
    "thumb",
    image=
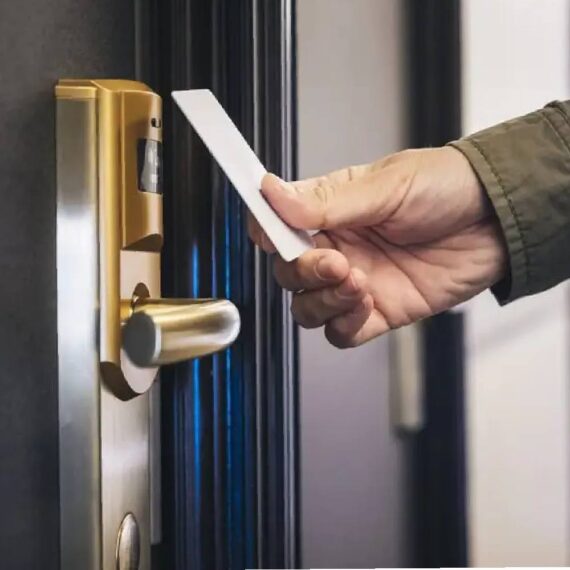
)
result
[(337, 200)]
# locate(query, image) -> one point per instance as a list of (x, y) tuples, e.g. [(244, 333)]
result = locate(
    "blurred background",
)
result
[(358, 100)]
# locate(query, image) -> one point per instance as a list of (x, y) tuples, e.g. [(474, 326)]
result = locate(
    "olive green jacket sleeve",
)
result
[(524, 165)]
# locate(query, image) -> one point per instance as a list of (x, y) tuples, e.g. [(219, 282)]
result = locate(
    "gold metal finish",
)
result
[(163, 331), (125, 427), (129, 219), (104, 442), (141, 211), (75, 92), (109, 240), (140, 276)]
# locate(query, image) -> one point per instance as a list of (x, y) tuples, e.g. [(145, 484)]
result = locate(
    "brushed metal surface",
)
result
[(125, 434), (165, 331), (78, 361), (128, 544), (155, 463), (104, 441), (289, 401)]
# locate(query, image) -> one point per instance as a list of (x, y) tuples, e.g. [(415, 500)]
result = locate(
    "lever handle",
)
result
[(164, 331)]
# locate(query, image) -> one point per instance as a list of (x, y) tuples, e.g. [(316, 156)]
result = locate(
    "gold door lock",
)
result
[(139, 331)]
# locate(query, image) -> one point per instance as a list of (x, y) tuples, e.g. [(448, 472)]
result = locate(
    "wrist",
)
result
[(477, 204)]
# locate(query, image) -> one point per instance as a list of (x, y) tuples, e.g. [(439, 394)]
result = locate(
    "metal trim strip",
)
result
[(77, 325)]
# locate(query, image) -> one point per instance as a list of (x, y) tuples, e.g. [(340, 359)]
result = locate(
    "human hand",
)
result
[(401, 239)]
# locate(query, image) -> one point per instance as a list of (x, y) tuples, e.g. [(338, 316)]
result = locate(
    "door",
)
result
[(218, 443), (229, 492)]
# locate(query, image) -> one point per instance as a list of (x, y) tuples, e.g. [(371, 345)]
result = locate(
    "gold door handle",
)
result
[(165, 331)]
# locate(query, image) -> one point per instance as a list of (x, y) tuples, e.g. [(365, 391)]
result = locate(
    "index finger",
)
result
[(314, 269)]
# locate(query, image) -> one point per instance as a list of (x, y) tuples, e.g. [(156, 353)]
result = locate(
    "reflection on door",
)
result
[(228, 422)]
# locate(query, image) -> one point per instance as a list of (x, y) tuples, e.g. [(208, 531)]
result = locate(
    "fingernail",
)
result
[(286, 187), (273, 183), (363, 306), (325, 269)]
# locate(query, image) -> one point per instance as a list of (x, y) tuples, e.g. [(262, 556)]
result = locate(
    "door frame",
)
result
[(439, 449)]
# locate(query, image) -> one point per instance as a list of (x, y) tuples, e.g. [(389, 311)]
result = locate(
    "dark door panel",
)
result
[(39, 43), (229, 422)]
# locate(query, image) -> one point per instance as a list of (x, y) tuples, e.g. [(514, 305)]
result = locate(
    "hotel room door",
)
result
[(219, 446)]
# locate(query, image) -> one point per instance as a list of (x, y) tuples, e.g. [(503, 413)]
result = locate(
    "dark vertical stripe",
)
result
[(434, 32), (440, 502), (216, 480), (434, 28)]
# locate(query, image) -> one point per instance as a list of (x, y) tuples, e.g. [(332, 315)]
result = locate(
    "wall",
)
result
[(516, 59), (353, 475)]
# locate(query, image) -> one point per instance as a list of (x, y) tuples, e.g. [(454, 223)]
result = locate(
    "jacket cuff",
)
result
[(524, 166), (516, 283)]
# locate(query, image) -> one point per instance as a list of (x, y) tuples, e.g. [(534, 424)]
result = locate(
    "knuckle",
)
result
[(408, 153), (388, 160), (285, 274), (330, 300), (404, 180), (333, 301), (396, 158), (305, 314), (306, 268), (324, 194)]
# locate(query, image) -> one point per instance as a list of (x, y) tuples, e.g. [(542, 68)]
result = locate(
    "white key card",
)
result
[(240, 165)]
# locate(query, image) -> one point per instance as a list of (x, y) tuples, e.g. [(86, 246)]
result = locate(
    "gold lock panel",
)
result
[(129, 136), (114, 330), (129, 179), (130, 142)]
